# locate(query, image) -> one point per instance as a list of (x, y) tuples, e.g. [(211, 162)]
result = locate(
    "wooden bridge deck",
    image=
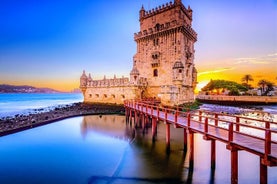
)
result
[(227, 131)]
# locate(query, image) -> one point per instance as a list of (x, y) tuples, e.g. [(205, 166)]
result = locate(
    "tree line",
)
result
[(234, 88)]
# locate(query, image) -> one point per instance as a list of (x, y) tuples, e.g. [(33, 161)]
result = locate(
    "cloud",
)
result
[(270, 58), (272, 55), (215, 71)]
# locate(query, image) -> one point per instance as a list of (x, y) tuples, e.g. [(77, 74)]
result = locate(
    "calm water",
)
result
[(91, 149), (15, 103)]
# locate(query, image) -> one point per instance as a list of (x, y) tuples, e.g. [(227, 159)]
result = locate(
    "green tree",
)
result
[(246, 78), (262, 83), (266, 86), (232, 86)]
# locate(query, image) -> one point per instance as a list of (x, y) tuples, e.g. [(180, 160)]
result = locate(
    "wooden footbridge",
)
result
[(258, 137)]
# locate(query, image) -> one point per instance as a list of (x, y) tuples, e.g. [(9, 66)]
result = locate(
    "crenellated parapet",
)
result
[(166, 29), (165, 7), (165, 20), (87, 82)]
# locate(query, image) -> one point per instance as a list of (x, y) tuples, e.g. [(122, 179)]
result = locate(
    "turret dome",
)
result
[(134, 71)]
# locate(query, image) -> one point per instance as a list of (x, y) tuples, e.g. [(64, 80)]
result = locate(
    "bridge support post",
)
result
[(143, 122), (167, 136), (185, 140), (213, 154), (126, 114), (130, 116), (154, 129), (191, 146), (263, 172), (234, 166), (135, 118)]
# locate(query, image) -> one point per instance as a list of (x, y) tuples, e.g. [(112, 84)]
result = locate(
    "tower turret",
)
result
[(89, 80), (134, 74), (178, 2), (178, 73), (141, 12), (83, 82)]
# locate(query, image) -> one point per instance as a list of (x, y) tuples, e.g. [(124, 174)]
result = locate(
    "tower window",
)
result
[(155, 73), (155, 56), (156, 42), (180, 70)]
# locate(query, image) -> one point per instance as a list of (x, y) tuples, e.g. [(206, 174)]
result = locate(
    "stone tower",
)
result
[(163, 66), (165, 53)]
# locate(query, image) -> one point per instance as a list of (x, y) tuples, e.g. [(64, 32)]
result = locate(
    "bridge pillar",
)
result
[(185, 140), (127, 114), (234, 166), (136, 119), (154, 129), (213, 154), (130, 116), (167, 136), (143, 122), (191, 150), (263, 172)]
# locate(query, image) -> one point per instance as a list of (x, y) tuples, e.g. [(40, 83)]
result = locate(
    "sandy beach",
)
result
[(21, 122)]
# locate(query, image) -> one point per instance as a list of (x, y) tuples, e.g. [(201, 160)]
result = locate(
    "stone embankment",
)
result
[(19, 122), (237, 100)]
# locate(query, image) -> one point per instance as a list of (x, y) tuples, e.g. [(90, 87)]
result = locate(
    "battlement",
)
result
[(113, 82), (165, 7), (166, 27), (123, 81)]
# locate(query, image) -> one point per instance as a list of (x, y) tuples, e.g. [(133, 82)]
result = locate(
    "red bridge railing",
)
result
[(238, 130)]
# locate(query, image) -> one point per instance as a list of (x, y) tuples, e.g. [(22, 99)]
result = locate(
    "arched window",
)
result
[(155, 73)]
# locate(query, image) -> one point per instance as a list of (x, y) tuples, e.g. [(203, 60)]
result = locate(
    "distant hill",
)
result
[(5, 88)]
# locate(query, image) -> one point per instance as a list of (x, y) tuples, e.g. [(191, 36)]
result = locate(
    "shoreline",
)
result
[(20, 122), (237, 100)]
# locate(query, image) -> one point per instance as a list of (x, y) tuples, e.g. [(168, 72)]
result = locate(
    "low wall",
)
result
[(221, 99)]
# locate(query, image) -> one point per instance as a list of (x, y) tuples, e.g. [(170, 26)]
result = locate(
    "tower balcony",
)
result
[(155, 63)]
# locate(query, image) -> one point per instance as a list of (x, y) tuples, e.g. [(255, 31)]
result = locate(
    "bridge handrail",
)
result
[(231, 123)]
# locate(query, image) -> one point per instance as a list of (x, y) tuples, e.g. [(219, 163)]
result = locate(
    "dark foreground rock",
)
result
[(19, 122)]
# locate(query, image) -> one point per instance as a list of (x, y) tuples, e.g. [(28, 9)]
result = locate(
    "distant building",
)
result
[(163, 66)]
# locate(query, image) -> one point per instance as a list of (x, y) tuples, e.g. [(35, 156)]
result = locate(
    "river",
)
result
[(94, 149)]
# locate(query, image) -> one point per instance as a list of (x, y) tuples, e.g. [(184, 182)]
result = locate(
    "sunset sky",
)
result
[(48, 43)]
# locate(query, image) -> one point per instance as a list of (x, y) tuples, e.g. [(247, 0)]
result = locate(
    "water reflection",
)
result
[(94, 149), (109, 125), (145, 160)]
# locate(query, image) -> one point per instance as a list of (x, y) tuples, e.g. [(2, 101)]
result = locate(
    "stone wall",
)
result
[(113, 94), (252, 99)]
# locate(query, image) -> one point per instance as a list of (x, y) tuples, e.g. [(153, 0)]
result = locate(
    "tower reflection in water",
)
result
[(145, 159)]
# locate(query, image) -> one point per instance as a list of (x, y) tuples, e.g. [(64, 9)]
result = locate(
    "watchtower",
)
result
[(165, 52)]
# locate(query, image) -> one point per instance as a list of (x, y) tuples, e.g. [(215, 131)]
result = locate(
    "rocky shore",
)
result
[(21, 122)]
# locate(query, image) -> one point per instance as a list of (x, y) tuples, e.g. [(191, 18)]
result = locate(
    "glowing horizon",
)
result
[(49, 44)]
